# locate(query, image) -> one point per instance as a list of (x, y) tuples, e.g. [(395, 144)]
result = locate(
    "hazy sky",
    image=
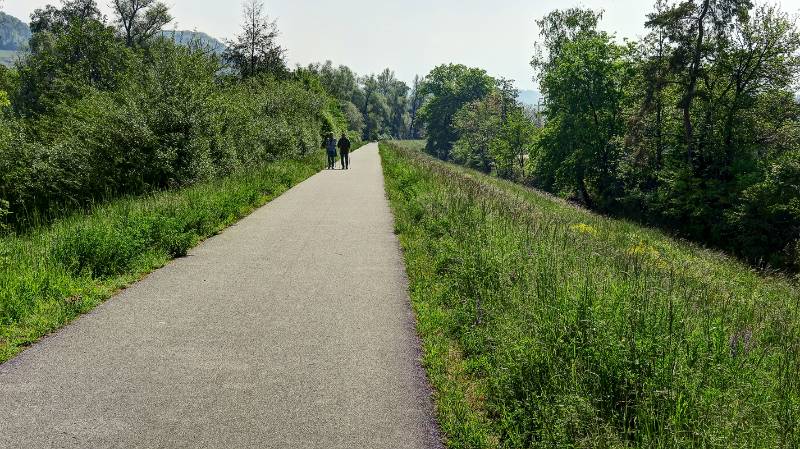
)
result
[(410, 36)]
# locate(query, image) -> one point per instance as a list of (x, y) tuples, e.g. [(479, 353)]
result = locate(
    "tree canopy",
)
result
[(449, 88)]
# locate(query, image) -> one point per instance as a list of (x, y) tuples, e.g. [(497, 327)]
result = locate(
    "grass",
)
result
[(545, 325), (52, 274)]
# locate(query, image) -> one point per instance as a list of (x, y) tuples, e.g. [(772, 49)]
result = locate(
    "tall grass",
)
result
[(50, 275), (547, 326)]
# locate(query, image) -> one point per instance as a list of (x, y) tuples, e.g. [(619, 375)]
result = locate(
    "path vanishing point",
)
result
[(292, 329)]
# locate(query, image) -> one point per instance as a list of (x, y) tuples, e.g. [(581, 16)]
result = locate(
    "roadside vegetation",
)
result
[(545, 325), (694, 128), (121, 149), (51, 274), (97, 109)]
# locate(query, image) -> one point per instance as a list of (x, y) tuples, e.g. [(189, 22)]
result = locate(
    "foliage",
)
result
[(415, 102), (713, 113), (544, 325), (767, 217), (449, 87), (478, 124), (494, 133), (139, 21), (53, 20), (378, 105), (69, 60), (255, 52), (583, 78), (92, 119)]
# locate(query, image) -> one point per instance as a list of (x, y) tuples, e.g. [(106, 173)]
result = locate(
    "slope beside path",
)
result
[(292, 329)]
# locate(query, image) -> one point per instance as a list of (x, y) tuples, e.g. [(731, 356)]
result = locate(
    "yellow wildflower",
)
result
[(584, 229), (645, 250)]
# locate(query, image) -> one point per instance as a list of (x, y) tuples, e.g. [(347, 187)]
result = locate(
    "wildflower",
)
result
[(644, 250), (584, 229)]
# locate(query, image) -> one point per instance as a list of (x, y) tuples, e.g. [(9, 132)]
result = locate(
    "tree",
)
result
[(373, 107), (382, 99), (340, 82), (690, 26), (494, 133), (478, 125), (415, 101), (50, 20), (343, 84), (256, 51), (582, 79), (355, 120), (396, 94), (760, 56), (73, 52), (449, 88), (517, 139), (140, 20)]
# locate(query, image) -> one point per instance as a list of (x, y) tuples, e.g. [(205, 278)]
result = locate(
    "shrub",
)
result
[(172, 121)]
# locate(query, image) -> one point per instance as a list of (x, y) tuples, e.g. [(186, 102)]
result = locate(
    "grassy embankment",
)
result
[(548, 326), (52, 274)]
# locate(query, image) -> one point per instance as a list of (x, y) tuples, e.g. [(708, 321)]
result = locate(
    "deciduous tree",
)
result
[(449, 88), (139, 21), (256, 50)]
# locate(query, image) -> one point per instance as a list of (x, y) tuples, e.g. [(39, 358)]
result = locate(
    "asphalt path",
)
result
[(291, 329)]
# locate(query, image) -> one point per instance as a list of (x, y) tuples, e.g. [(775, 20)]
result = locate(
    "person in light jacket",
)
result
[(330, 146)]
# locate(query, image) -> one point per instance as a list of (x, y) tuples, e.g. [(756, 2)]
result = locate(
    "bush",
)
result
[(173, 121), (767, 219)]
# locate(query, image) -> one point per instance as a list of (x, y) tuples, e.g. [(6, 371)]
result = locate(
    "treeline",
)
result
[(98, 109), (695, 128), (378, 106)]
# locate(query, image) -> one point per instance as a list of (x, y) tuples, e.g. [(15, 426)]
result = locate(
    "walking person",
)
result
[(330, 145), (344, 149)]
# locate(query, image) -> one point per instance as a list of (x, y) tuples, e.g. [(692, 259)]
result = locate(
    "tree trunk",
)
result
[(583, 191), (691, 90)]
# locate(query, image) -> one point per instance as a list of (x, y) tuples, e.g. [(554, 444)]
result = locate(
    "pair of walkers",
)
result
[(343, 144)]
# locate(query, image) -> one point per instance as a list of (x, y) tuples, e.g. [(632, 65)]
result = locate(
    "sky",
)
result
[(410, 36)]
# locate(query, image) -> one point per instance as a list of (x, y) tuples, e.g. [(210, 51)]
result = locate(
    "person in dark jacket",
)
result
[(330, 146), (344, 150)]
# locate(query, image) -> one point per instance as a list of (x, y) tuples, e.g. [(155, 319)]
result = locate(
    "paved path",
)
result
[(292, 329)]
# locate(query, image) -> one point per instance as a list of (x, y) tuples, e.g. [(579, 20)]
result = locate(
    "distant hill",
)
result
[(14, 36), (8, 57), (14, 33), (184, 37), (529, 97)]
